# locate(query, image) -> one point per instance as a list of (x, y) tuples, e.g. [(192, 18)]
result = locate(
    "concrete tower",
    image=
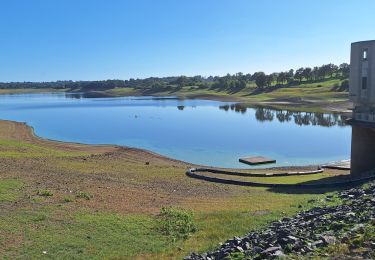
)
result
[(362, 94)]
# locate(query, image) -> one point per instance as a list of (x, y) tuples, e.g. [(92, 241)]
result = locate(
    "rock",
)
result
[(271, 250), (292, 238), (345, 240), (246, 246), (257, 249), (239, 249), (329, 240), (318, 243), (279, 253)]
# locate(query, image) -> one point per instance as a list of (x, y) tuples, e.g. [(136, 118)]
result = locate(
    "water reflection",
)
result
[(261, 114), (300, 118), (234, 107)]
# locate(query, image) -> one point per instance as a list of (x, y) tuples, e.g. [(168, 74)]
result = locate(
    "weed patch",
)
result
[(45, 193), (176, 223), (84, 195)]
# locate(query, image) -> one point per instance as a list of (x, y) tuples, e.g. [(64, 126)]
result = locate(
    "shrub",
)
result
[(40, 217), (68, 199), (84, 195), (45, 193), (176, 223)]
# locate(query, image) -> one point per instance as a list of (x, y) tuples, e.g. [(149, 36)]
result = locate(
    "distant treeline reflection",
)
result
[(299, 118)]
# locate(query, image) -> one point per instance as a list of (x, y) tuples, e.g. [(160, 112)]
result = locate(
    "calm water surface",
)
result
[(199, 131)]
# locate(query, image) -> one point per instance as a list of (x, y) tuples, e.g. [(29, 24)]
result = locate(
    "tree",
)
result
[(282, 77), (323, 71), (182, 81), (344, 69), (260, 79), (306, 73), (299, 74), (315, 73), (332, 69), (289, 76), (269, 79)]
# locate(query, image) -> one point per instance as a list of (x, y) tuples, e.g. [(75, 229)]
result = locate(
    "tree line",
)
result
[(236, 81)]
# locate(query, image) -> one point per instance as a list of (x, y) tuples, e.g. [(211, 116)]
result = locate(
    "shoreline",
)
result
[(100, 148), (110, 148), (302, 104)]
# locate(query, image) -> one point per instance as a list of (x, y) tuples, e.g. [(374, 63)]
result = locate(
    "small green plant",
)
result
[(40, 217), (45, 193), (84, 195), (68, 199), (177, 223), (236, 256)]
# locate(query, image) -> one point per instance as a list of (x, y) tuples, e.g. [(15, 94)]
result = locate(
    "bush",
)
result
[(45, 193), (68, 199), (84, 195), (176, 223)]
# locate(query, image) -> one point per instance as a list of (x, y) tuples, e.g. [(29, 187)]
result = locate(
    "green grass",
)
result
[(81, 235), (9, 190), (86, 234), (22, 149), (30, 90)]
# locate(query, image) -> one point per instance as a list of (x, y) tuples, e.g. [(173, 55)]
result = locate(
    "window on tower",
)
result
[(365, 54), (364, 82)]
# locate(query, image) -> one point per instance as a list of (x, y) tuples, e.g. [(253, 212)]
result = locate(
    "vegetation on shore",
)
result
[(74, 201), (317, 89)]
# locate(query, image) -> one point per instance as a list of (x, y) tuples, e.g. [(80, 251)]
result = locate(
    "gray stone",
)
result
[(279, 253), (330, 240), (271, 250), (318, 243), (239, 249), (257, 249)]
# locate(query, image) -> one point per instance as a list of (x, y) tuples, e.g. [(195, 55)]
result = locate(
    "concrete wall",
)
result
[(360, 68), (363, 150)]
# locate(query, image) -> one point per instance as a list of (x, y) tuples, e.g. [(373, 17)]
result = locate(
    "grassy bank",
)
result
[(62, 200), (322, 96), (310, 97)]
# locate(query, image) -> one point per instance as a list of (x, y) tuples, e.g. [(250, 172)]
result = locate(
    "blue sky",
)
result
[(44, 40)]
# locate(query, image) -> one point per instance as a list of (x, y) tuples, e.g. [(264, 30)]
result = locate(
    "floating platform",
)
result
[(256, 160)]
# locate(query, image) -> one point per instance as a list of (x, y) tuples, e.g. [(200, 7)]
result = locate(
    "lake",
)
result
[(199, 131)]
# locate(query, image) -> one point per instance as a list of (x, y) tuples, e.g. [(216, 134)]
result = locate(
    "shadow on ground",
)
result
[(333, 179)]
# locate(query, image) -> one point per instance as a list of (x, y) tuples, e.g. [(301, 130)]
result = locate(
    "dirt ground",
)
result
[(121, 179)]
